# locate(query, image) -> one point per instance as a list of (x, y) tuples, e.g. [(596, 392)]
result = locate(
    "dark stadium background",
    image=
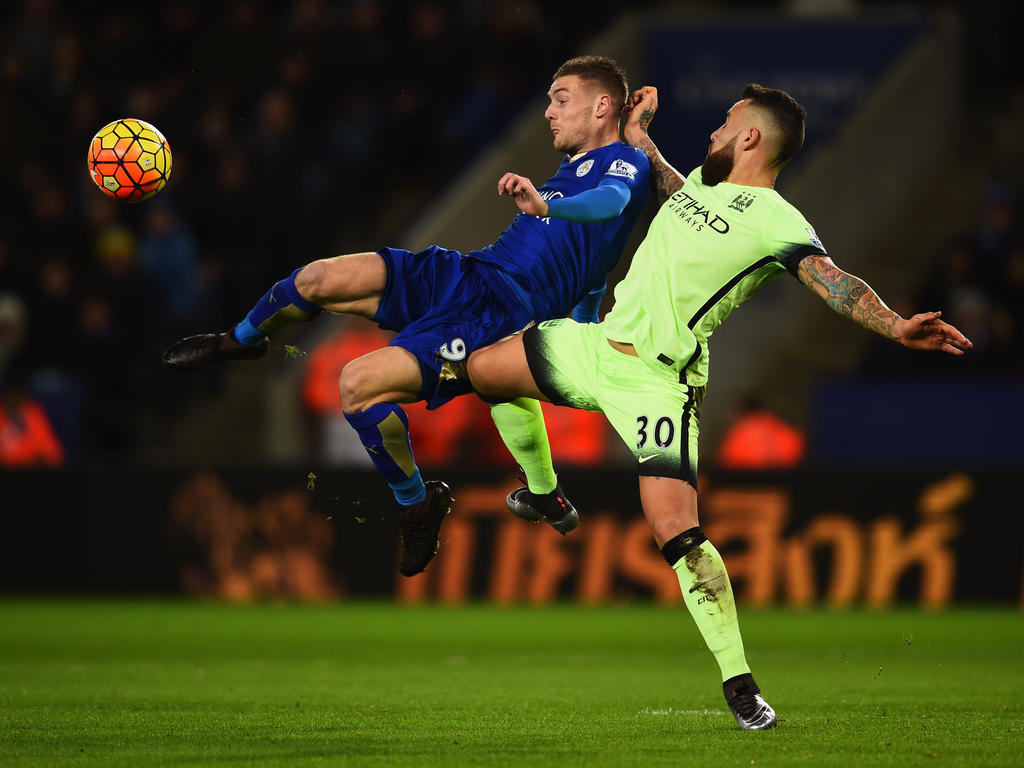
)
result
[(304, 129)]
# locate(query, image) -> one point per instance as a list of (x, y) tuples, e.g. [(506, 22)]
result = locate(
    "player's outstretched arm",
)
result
[(605, 201), (640, 110), (853, 298)]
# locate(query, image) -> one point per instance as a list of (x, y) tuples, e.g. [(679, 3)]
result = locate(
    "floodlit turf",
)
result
[(125, 683)]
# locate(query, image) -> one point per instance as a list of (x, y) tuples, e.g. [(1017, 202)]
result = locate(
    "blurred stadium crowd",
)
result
[(977, 279), (299, 130)]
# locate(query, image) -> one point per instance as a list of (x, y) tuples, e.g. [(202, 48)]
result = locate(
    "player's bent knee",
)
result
[(480, 373), (313, 281), (355, 385)]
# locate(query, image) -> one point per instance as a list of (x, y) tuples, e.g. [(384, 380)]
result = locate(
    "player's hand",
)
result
[(927, 331), (640, 110), (524, 193)]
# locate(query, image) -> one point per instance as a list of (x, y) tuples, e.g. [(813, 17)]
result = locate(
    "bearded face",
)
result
[(718, 164)]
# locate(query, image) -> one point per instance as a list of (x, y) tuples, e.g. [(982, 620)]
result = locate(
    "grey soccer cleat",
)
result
[(553, 507), (751, 711)]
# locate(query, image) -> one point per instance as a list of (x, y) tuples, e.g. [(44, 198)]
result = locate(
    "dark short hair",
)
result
[(604, 72), (786, 115)]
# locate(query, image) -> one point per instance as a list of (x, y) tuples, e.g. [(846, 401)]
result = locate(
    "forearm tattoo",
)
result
[(645, 119), (667, 180), (848, 295)]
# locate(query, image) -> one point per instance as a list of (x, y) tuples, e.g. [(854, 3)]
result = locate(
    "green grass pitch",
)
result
[(137, 683)]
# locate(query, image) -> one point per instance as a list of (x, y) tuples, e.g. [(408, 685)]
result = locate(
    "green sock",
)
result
[(521, 425), (708, 596)]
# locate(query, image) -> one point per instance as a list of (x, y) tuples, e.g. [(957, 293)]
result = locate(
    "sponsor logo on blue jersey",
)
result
[(623, 169)]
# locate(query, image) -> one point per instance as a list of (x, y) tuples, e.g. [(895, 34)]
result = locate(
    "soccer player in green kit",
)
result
[(720, 233)]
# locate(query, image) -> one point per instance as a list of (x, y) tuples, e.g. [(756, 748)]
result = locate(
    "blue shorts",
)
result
[(443, 310)]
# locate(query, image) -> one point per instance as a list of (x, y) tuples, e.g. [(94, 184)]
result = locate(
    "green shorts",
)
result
[(656, 415)]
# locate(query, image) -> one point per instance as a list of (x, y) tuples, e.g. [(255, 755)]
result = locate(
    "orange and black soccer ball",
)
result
[(129, 160)]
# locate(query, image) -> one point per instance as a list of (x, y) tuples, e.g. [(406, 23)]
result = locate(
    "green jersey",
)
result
[(707, 251)]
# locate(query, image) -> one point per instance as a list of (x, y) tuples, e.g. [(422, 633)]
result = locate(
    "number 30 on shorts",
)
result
[(664, 432)]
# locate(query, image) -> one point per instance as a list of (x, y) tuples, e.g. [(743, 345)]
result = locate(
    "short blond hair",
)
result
[(603, 72)]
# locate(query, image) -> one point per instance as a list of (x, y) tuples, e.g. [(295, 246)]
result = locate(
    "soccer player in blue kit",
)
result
[(444, 304)]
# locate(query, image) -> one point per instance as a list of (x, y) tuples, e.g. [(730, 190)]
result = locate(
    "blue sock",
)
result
[(384, 432), (281, 305)]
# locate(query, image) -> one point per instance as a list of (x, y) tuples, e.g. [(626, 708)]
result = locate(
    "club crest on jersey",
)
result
[(585, 167), (814, 240), (742, 201), (623, 169)]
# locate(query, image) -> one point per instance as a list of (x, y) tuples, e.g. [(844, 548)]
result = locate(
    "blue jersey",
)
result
[(446, 305), (553, 262)]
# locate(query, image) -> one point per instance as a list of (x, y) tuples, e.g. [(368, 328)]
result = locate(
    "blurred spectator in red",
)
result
[(26, 437), (461, 432), (357, 338), (578, 438), (758, 439), (439, 436)]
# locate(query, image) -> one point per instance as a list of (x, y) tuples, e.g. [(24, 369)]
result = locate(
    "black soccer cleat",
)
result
[(420, 525), (552, 507), (204, 349), (751, 711)]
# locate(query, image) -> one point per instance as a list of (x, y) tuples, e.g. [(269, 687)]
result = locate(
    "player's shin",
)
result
[(709, 598), (280, 306), (521, 425), (384, 431)]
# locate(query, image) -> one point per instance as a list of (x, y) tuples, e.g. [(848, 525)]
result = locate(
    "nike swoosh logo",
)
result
[(642, 459)]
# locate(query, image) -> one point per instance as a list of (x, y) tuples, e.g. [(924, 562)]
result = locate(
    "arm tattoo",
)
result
[(848, 295), (666, 179), (645, 119)]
